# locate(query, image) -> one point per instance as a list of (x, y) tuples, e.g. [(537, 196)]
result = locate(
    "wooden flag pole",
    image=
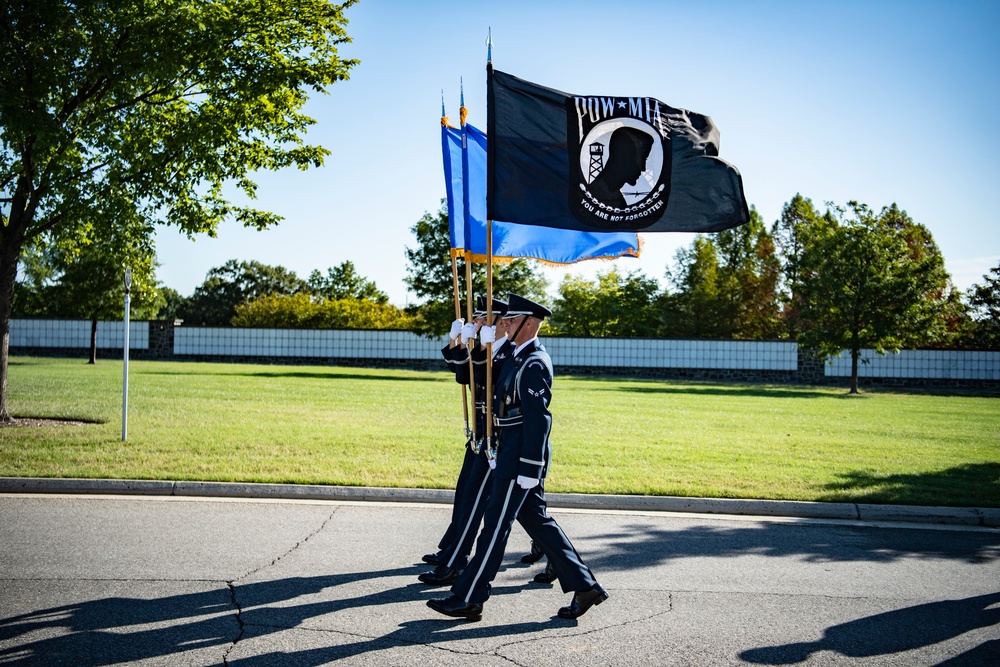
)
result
[(489, 346), (458, 314), (472, 344)]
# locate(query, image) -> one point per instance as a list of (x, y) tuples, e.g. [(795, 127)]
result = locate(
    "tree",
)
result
[(748, 279), (984, 301), (214, 301), (613, 305), (789, 233), (172, 302), (870, 281), (115, 110), (694, 309), (429, 274), (344, 282), (86, 280)]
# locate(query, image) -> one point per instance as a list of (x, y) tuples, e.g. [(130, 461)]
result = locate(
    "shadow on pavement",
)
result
[(111, 630), (641, 545), (898, 631)]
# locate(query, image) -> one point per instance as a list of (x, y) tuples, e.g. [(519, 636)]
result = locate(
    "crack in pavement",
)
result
[(495, 651), (292, 549), (239, 621), (231, 585)]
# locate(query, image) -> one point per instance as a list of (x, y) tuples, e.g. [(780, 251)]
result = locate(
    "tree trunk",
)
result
[(854, 370), (93, 341), (10, 251)]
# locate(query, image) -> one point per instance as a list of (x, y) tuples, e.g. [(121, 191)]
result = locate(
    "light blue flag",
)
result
[(467, 215)]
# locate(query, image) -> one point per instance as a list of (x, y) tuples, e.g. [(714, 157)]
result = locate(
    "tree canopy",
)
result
[(214, 302), (984, 300), (344, 282), (124, 109), (612, 305), (870, 280)]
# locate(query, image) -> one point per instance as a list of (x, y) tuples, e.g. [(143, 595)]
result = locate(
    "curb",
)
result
[(964, 516)]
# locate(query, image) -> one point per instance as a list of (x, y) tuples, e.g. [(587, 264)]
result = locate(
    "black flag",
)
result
[(602, 163)]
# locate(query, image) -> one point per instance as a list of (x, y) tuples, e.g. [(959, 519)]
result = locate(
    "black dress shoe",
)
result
[(535, 555), (547, 576), (582, 601), (457, 608), (432, 559), (439, 576)]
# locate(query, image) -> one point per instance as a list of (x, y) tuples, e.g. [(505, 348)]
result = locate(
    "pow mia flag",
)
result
[(601, 163)]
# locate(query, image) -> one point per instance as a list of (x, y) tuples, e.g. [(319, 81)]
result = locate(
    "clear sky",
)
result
[(879, 101)]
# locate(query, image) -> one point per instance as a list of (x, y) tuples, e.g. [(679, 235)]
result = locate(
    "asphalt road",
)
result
[(88, 580)]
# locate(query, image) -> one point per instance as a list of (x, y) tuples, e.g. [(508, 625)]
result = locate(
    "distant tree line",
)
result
[(846, 278), (88, 284)]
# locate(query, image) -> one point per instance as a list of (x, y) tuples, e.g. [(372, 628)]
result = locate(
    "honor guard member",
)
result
[(456, 355), (521, 399), (474, 483)]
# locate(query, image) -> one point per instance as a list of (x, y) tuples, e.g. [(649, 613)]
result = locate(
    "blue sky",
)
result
[(879, 101)]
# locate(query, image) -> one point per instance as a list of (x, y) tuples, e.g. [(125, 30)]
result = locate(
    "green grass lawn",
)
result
[(333, 425)]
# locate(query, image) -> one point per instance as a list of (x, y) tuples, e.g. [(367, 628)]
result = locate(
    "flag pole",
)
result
[(458, 314), (458, 300), (489, 346), (490, 453), (462, 115), (472, 344)]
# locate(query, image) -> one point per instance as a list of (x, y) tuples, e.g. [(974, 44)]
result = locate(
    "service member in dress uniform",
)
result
[(474, 482), (521, 399)]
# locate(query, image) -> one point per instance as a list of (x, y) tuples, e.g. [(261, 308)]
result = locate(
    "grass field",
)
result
[(334, 425)]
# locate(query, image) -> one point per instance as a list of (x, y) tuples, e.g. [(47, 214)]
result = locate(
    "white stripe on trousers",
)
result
[(493, 541), (468, 524)]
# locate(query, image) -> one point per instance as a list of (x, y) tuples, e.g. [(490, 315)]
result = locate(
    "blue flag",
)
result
[(467, 215), (605, 163)]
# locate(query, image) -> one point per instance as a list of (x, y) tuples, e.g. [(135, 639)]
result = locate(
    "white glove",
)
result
[(526, 482), (493, 463), (487, 335), (468, 333), (456, 328)]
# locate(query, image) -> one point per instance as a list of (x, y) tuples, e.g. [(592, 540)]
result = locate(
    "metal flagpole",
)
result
[(128, 289), (458, 314), (489, 346), (490, 453)]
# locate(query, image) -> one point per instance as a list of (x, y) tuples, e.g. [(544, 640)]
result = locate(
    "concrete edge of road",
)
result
[(966, 516)]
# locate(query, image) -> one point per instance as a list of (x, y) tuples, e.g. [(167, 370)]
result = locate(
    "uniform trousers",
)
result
[(461, 489), (509, 502), (467, 513)]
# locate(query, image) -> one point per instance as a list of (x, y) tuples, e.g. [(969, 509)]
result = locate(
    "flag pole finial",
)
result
[(444, 115), (489, 46), (463, 113)]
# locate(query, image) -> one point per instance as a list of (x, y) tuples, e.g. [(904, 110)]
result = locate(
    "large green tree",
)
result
[(870, 280), (429, 275), (612, 305), (214, 302), (149, 109)]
